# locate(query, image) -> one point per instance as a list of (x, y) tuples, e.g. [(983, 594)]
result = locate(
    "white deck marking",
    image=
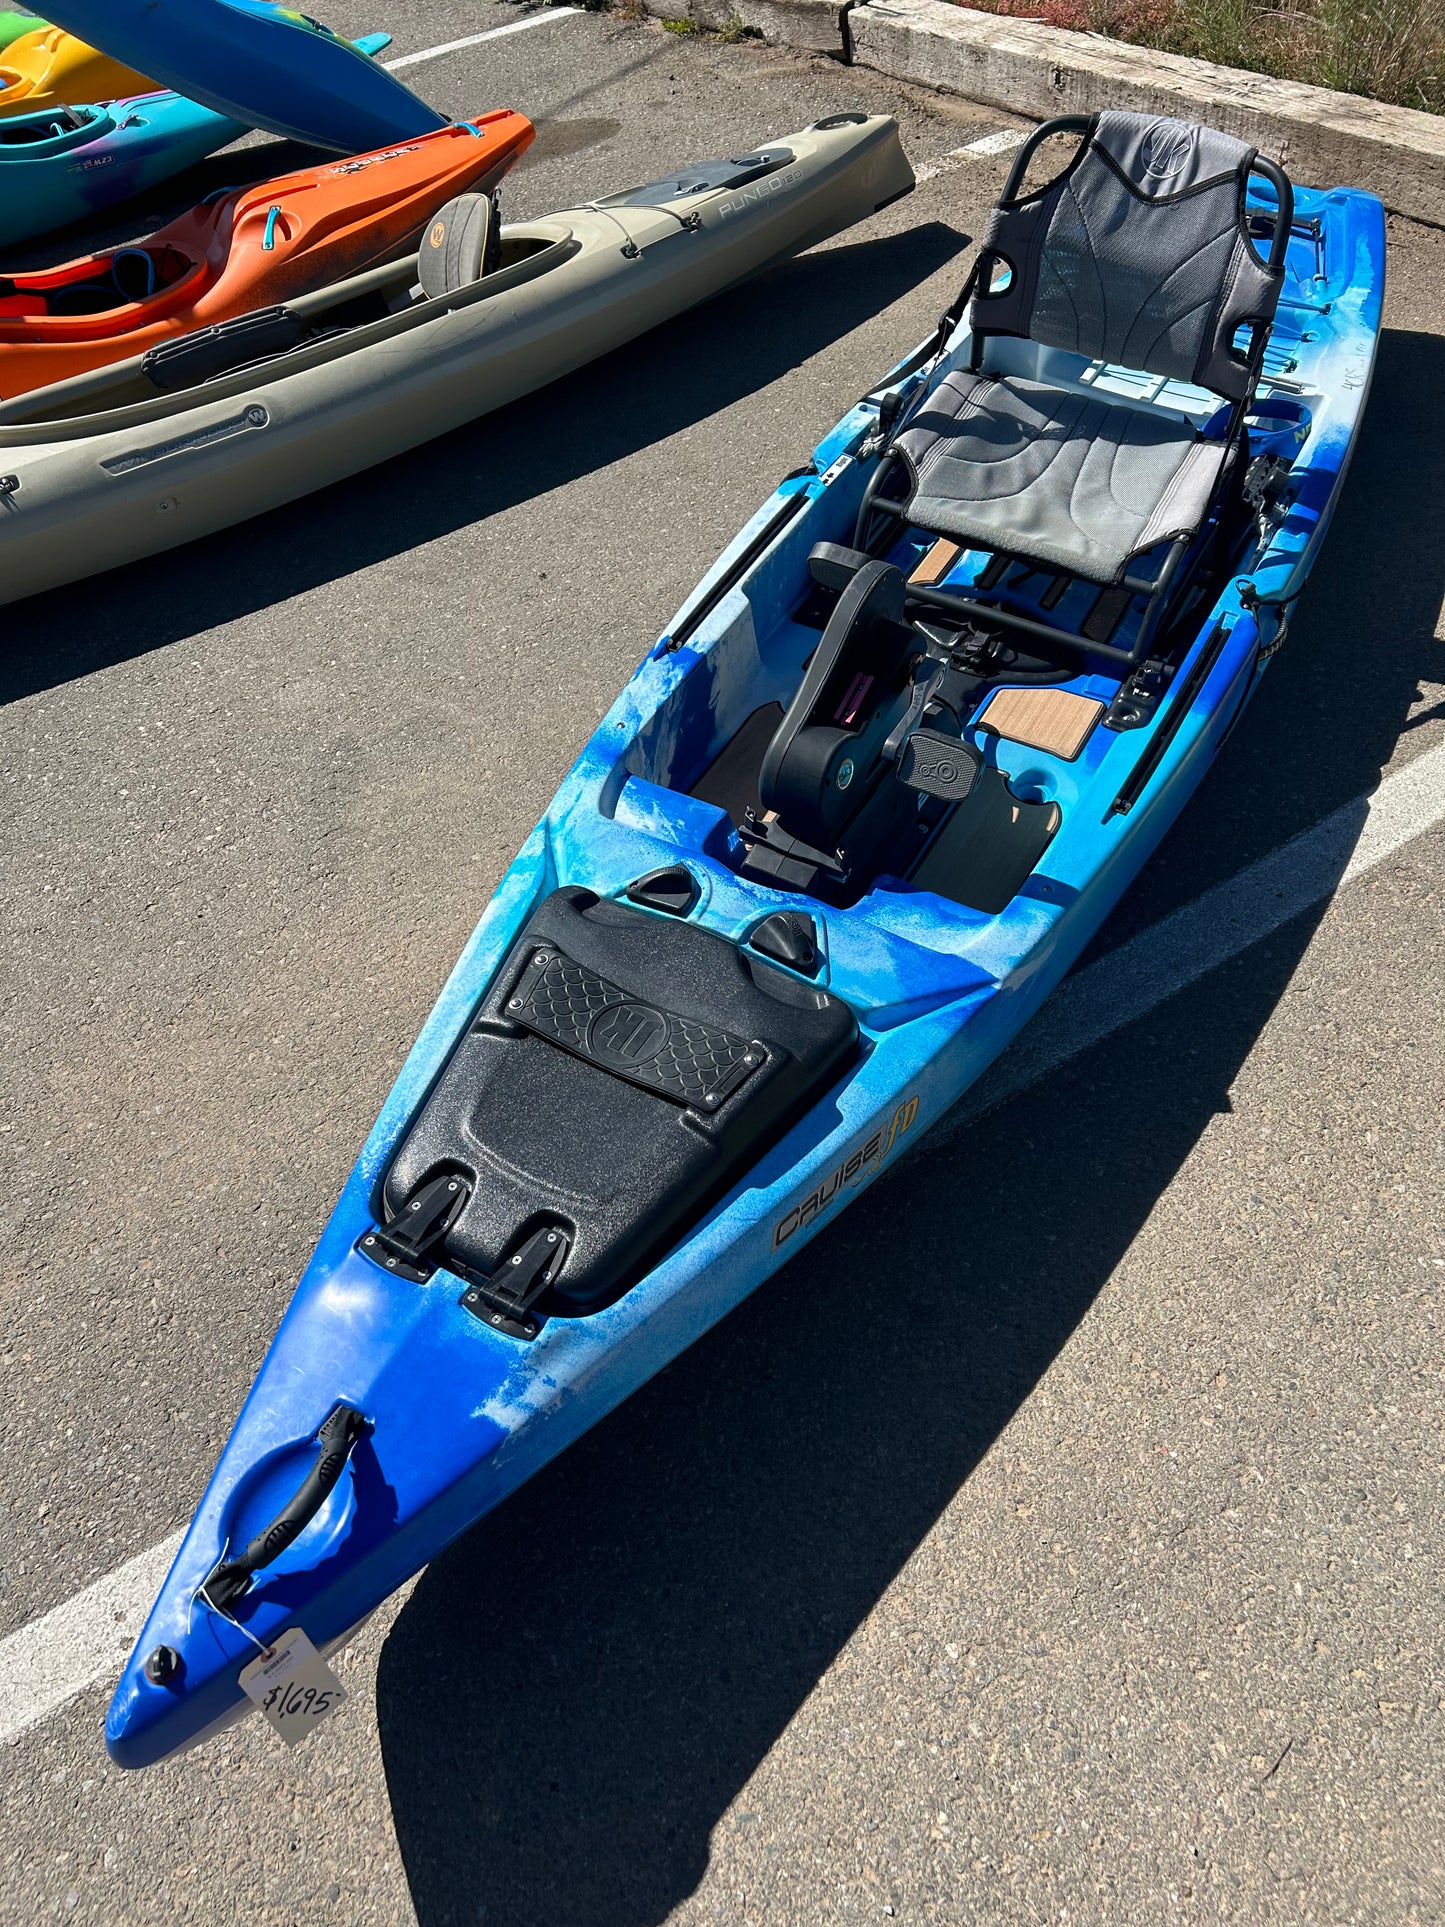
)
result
[(79, 1643), (476, 39), (84, 1641)]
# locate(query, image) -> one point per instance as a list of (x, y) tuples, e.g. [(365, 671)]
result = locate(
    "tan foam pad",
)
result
[(1055, 720)]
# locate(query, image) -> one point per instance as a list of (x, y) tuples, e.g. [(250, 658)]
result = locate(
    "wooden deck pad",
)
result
[(934, 566), (1055, 720)]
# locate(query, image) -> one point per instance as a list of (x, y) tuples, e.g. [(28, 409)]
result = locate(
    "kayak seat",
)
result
[(1081, 485), (128, 277), (1137, 254), (462, 243), (31, 129)]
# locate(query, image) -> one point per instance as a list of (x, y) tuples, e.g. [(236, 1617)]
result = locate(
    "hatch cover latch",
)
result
[(505, 1300), (409, 1244)]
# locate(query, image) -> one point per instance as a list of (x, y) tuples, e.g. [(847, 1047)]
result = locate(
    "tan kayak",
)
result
[(224, 424)]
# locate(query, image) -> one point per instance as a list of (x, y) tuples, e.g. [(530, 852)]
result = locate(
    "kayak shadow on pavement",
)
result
[(576, 1693), (680, 374)]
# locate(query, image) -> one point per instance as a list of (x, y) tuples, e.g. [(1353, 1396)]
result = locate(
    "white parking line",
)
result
[(1141, 974), (84, 1641), (1002, 142), (80, 1643), (476, 39)]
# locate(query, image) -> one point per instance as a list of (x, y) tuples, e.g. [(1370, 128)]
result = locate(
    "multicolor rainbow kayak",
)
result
[(68, 163), (856, 814), (259, 62), (47, 67), (15, 21)]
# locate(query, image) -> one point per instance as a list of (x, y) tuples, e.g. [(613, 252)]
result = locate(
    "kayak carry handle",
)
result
[(337, 1437)]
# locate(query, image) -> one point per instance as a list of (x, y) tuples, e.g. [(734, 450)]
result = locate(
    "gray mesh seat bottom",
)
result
[(1080, 485)]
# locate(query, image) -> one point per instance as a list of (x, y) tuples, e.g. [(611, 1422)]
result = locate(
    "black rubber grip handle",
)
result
[(336, 1439)]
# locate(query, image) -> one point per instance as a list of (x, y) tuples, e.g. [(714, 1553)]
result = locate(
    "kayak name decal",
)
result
[(367, 160), (746, 197), (852, 1171)]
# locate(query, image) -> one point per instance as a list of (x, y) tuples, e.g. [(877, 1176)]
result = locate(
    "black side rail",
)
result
[(337, 1438)]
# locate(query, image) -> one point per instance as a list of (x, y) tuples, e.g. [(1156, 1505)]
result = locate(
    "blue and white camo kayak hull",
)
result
[(457, 1415)]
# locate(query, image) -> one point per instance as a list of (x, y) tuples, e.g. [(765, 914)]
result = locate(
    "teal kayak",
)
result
[(266, 65), (67, 163)]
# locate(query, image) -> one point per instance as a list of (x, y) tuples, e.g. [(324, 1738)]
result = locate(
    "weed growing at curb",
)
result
[(730, 32), (1390, 50)]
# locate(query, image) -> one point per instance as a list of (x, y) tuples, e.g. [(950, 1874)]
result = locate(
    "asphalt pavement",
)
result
[(1058, 1537)]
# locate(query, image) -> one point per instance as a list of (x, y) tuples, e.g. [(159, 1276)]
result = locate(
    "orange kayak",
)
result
[(252, 247)]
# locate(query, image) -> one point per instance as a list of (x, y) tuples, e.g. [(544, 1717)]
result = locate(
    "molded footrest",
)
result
[(938, 765)]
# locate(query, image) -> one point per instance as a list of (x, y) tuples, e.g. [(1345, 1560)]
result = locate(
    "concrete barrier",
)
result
[(814, 25), (1323, 138)]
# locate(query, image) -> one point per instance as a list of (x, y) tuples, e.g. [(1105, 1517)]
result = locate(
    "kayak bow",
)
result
[(15, 21), (243, 250), (271, 66), (68, 163), (51, 68)]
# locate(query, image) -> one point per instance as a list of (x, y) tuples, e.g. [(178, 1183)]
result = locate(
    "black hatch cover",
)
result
[(704, 177)]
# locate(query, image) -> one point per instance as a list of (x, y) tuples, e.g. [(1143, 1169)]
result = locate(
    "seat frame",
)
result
[(1166, 581)]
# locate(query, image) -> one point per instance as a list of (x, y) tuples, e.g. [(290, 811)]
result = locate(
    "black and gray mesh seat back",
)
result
[(1138, 253)]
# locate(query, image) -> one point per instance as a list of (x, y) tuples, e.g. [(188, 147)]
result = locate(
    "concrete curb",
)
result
[(1324, 138), (1022, 67), (815, 26)]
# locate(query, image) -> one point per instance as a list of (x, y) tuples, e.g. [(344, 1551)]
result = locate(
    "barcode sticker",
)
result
[(293, 1686)]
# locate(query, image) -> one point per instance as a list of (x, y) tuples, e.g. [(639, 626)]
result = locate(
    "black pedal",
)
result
[(826, 756), (833, 566), (938, 765), (507, 1299), (412, 1244)]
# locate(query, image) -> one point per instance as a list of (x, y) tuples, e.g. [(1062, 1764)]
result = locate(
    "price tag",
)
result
[(293, 1686)]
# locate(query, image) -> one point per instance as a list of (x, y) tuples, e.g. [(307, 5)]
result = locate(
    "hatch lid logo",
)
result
[(627, 1034)]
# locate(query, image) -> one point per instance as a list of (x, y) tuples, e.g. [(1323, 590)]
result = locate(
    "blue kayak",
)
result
[(857, 813), (259, 63), (68, 163)]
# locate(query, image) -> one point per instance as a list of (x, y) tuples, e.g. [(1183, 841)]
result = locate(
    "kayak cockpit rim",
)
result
[(536, 248)]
